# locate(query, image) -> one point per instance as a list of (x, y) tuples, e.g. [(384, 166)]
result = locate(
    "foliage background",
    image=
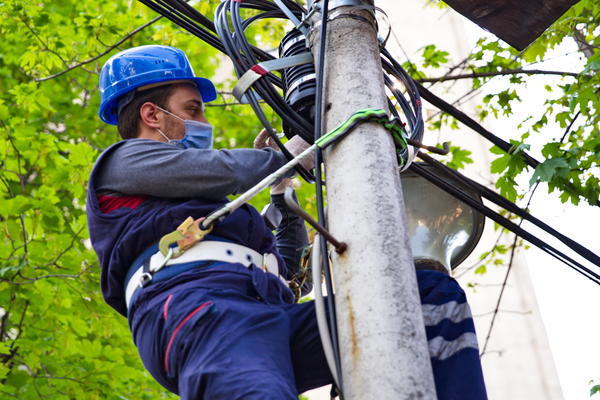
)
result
[(57, 337)]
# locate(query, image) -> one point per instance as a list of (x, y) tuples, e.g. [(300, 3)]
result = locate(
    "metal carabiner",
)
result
[(168, 257), (186, 235)]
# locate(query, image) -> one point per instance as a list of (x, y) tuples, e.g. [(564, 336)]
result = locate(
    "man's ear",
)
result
[(150, 116)]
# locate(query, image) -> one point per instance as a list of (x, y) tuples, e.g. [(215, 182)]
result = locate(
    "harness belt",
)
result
[(207, 250)]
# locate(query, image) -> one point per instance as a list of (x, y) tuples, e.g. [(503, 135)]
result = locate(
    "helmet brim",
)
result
[(207, 90)]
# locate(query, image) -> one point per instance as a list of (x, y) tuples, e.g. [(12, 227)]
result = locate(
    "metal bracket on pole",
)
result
[(354, 5), (333, 4), (340, 247)]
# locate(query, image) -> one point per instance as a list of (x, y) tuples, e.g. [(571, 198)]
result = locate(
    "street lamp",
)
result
[(443, 230)]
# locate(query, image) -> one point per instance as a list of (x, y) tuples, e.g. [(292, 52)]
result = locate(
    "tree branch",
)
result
[(510, 265), (497, 308), (22, 184), (229, 104), (69, 247), (503, 311), (72, 67), (487, 255), (34, 33), (582, 44), (37, 278), (498, 73)]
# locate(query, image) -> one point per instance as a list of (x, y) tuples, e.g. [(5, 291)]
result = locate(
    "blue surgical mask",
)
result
[(197, 135)]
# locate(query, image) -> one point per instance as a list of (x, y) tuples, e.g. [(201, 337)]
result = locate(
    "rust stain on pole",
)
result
[(353, 338)]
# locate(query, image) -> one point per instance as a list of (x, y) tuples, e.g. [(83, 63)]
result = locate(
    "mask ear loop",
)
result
[(170, 113), (169, 141)]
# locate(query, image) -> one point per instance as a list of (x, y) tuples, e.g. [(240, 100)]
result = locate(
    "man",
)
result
[(218, 322)]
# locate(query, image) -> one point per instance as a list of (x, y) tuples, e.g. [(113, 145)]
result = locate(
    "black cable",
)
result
[(172, 14), (412, 110), (471, 123), (505, 222), (330, 303), (513, 208), (474, 125), (243, 58)]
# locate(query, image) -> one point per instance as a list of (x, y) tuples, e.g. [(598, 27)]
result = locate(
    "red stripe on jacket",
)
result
[(111, 203)]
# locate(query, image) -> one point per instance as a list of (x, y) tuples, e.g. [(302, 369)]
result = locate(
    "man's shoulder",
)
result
[(138, 143), (130, 147)]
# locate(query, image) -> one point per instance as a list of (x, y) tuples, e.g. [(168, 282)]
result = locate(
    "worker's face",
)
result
[(186, 103)]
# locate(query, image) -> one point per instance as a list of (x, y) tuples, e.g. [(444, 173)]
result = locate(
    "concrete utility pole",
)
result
[(384, 352)]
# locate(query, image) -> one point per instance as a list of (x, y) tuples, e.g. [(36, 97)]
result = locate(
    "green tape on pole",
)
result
[(368, 114), (377, 115)]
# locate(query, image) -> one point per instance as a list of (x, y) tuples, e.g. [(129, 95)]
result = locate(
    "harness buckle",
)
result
[(146, 277)]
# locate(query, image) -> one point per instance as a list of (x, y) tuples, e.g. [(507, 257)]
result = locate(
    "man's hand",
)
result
[(263, 140), (295, 145)]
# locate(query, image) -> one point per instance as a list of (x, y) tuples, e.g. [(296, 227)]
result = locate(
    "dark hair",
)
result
[(129, 117)]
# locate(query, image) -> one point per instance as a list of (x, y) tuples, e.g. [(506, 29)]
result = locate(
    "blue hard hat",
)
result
[(141, 66)]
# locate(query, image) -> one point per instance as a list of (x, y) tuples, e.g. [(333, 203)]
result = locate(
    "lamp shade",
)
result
[(440, 227)]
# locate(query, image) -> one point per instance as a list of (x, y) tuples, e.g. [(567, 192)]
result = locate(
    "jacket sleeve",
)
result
[(152, 168), (292, 242)]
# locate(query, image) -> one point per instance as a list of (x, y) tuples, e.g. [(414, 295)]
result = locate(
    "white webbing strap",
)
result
[(261, 69)]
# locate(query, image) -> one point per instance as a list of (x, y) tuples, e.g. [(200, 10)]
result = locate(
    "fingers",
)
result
[(263, 140), (260, 142)]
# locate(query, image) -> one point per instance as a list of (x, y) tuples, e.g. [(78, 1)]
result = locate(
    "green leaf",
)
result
[(507, 186), (4, 348), (500, 164), (17, 379), (593, 63), (432, 57), (482, 269), (549, 170), (459, 157), (552, 149)]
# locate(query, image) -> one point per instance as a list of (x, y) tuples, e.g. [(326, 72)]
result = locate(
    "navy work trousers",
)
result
[(206, 343)]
